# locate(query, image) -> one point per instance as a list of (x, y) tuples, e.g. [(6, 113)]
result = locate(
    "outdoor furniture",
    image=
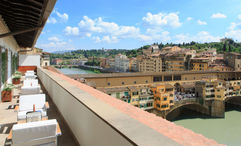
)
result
[(30, 76), (26, 90), (33, 82), (43, 132), (29, 71), (33, 116), (29, 103)]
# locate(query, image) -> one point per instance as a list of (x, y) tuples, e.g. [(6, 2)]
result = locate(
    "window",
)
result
[(219, 96), (123, 83), (164, 98), (157, 79), (158, 105), (171, 95), (118, 95), (134, 82), (171, 101), (177, 77), (134, 93), (108, 84), (164, 106), (146, 81), (167, 78), (169, 89)]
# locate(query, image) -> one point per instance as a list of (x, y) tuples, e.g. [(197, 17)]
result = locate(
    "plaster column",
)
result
[(1, 73), (6, 71), (9, 76)]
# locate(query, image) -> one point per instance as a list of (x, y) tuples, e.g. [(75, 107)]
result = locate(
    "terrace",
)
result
[(8, 117), (86, 115)]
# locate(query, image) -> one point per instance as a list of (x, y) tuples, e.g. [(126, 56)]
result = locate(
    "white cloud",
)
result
[(51, 20), (239, 17), (90, 26), (103, 31), (202, 22), (234, 31), (110, 32), (189, 18), (106, 39), (63, 16), (71, 30), (205, 36), (162, 20), (59, 18), (218, 16), (202, 37), (53, 45), (56, 39)]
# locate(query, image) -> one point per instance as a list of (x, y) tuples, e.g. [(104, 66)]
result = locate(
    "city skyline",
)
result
[(112, 24)]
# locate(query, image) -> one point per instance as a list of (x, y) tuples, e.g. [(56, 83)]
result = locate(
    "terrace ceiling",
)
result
[(25, 19)]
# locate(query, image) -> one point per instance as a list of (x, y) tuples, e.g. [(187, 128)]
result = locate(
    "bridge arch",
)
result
[(232, 98), (176, 110)]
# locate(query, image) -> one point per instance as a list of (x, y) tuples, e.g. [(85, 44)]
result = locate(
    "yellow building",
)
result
[(200, 64), (151, 63), (163, 96), (174, 63), (134, 94), (133, 65), (220, 90)]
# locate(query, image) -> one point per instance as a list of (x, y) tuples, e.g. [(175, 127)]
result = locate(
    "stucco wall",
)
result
[(29, 60), (7, 42)]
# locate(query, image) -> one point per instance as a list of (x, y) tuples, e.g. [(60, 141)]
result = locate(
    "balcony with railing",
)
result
[(95, 118), (86, 116)]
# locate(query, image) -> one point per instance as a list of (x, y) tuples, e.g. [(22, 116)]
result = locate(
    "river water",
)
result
[(223, 130), (75, 71)]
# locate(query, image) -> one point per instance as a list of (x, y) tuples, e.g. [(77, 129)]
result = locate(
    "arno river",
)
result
[(223, 130), (75, 71)]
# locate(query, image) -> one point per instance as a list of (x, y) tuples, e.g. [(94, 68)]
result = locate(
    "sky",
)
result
[(130, 24)]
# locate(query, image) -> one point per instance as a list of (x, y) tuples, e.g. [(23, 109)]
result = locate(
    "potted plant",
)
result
[(7, 93), (18, 73), (16, 79)]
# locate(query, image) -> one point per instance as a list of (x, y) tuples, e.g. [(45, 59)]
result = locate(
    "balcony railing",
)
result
[(96, 118)]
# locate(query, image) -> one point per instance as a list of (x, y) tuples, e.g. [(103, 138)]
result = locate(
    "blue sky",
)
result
[(129, 24)]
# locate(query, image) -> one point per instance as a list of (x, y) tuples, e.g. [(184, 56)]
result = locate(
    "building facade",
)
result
[(233, 60), (163, 96), (150, 64), (121, 63)]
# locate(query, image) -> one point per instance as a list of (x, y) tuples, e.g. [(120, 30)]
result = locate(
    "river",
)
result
[(223, 130), (75, 71)]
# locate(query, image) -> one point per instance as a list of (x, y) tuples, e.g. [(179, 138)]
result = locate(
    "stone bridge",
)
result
[(212, 108), (193, 104)]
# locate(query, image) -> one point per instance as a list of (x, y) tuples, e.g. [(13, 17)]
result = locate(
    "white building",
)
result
[(121, 63)]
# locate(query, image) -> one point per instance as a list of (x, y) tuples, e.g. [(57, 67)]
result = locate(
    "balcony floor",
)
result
[(8, 118)]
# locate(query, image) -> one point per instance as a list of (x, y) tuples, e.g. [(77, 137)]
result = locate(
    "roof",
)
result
[(27, 17), (111, 90), (188, 85), (137, 74)]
